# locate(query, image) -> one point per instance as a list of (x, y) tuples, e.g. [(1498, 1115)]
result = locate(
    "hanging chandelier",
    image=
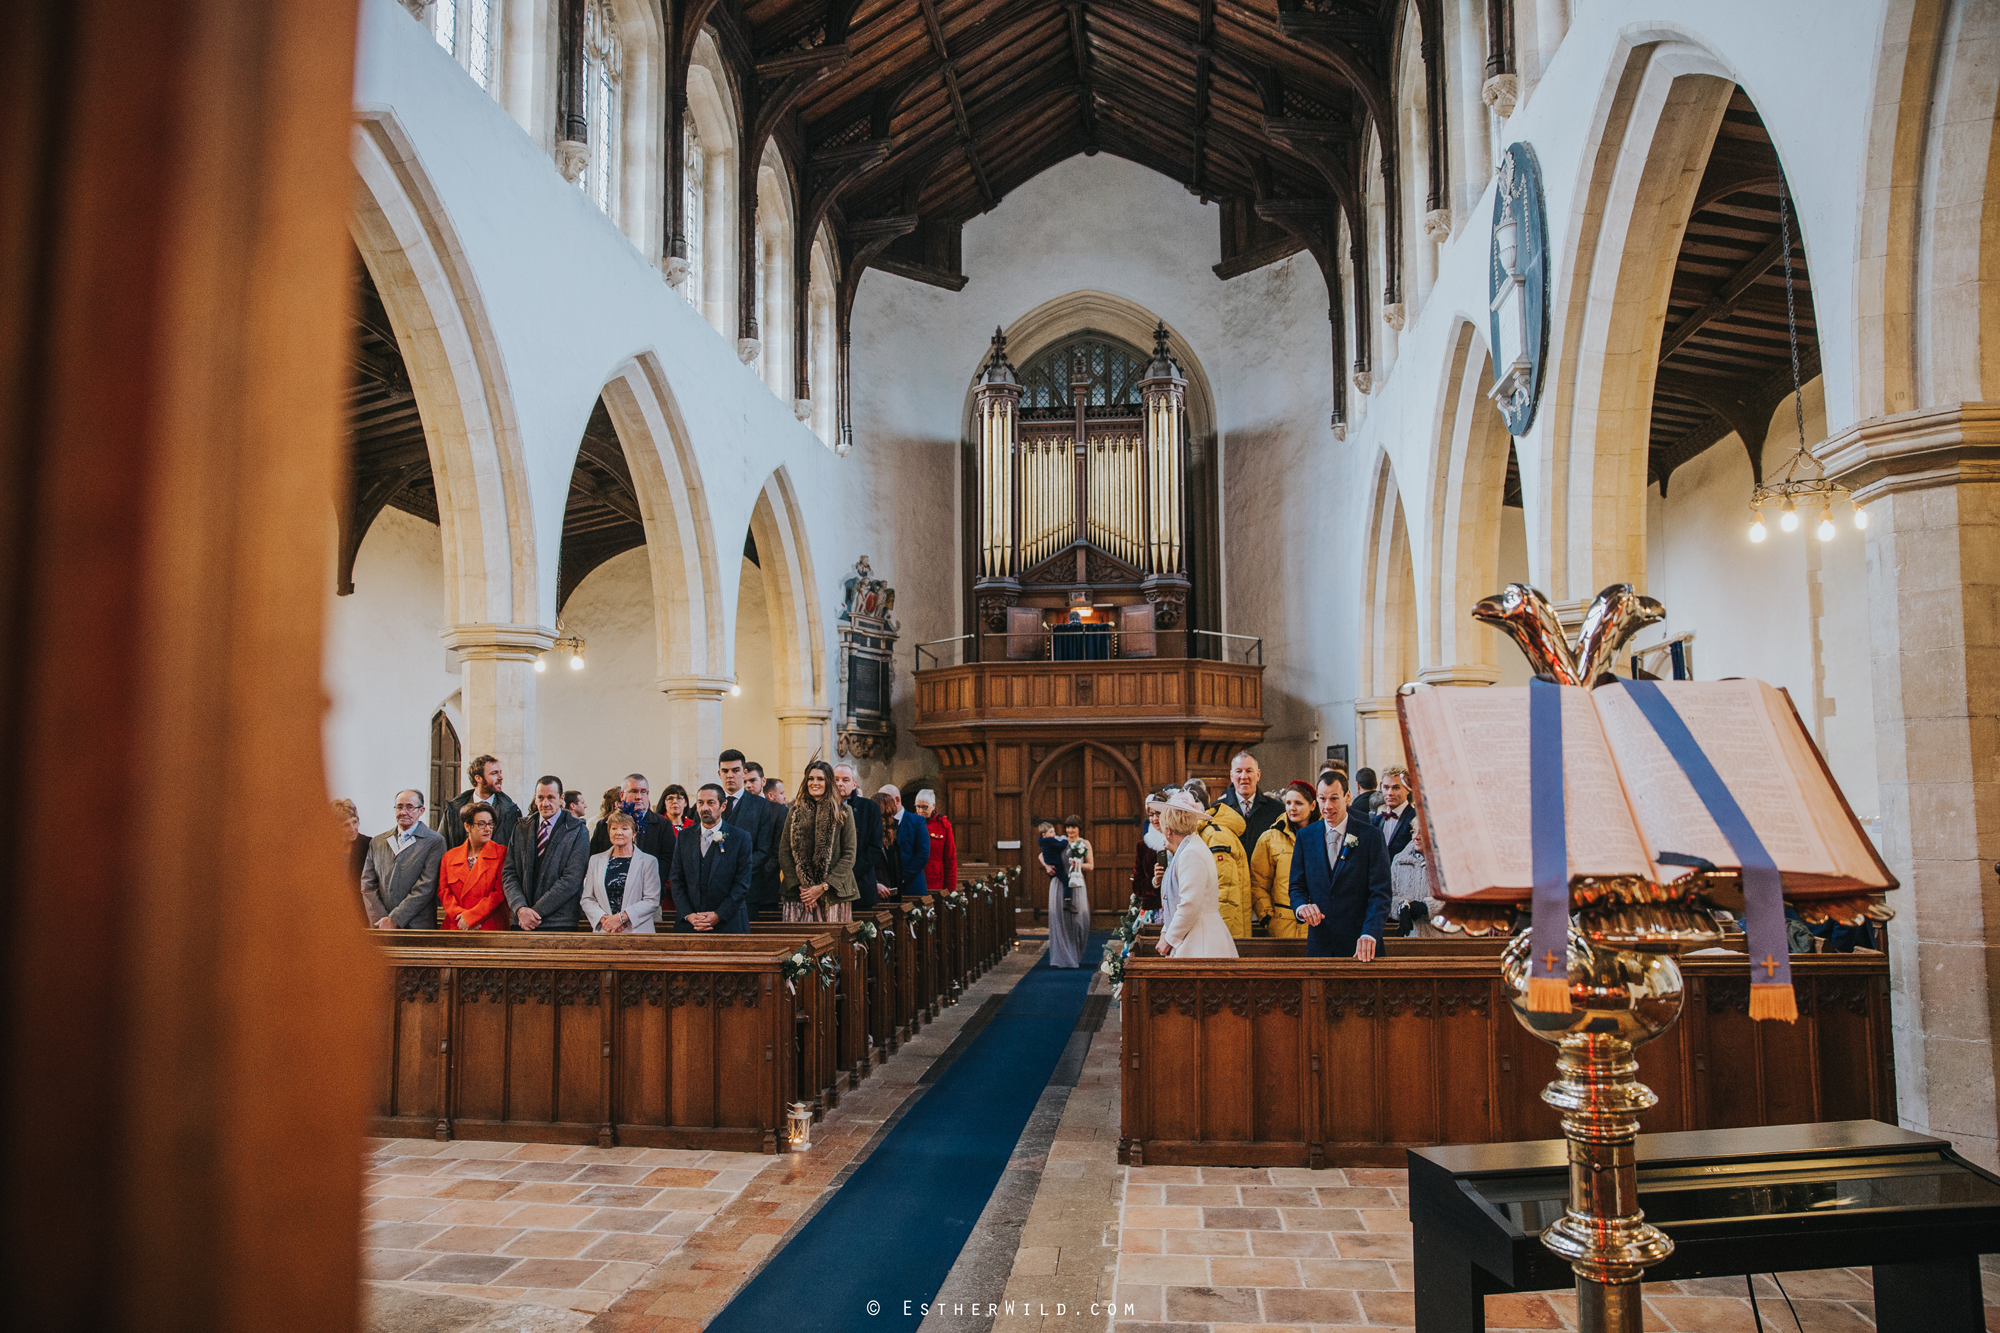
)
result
[(1791, 492)]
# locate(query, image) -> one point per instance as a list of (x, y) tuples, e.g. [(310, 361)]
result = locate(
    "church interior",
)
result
[(1029, 411)]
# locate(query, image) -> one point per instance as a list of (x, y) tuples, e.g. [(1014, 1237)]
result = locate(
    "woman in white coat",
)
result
[(1196, 929), (621, 887)]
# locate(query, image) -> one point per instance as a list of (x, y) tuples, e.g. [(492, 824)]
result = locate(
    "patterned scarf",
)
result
[(813, 826)]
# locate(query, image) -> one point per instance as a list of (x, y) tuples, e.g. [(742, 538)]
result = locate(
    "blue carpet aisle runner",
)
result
[(891, 1234)]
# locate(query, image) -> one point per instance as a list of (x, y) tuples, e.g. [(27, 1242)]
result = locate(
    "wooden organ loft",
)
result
[(1084, 685)]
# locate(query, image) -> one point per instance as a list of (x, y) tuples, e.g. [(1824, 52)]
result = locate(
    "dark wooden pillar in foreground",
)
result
[(188, 995)]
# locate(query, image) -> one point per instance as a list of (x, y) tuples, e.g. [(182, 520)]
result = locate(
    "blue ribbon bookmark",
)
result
[(1548, 973), (1763, 891)]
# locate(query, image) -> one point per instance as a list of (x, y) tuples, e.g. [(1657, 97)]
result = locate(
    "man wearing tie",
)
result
[(867, 834), (543, 873), (913, 842), (711, 875), (1261, 811), (1340, 879), (1397, 817), (743, 808)]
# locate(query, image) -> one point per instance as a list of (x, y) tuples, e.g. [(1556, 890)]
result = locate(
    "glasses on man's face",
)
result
[(405, 805)]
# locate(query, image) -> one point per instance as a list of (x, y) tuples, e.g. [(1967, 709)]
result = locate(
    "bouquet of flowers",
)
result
[(829, 970), (796, 965), (1119, 947), (1076, 854)]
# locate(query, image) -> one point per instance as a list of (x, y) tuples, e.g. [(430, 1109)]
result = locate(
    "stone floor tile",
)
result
[(1235, 1175), (1395, 1177), (1166, 1175), (1255, 1272), (610, 1173), (1701, 1314), (1324, 1219), (398, 1235), (399, 1210), (542, 1272), (1202, 1196), (542, 1171), (1178, 1270), (613, 1278), (1309, 1305), (617, 1196), (545, 1152), (1354, 1196), (551, 1215), (624, 1247), (476, 1213), (470, 1240), (1384, 1220), (1370, 1245), (1291, 1243), (678, 1177), (544, 1192), (1205, 1305), (465, 1268), (1521, 1310), (390, 1265), (1145, 1302), (469, 1188), (1327, 1178), (1827, 1284), (1145, 1196), (1205, 1242), (1242, 1219), (1035, 1260), (621, 1219), (1348, 1274), (541, 1244), (1825, 1316), (477, 1148), (1169, 1218), (1388, 1307)]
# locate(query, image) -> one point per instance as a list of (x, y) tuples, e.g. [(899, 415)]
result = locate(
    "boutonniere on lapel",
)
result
[(1352, 841), (715, 839)]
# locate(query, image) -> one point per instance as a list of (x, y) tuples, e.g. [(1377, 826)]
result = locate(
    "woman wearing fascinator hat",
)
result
[(1196, 929)]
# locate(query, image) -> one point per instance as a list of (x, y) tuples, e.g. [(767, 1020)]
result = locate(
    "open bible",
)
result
[(1627, 804)]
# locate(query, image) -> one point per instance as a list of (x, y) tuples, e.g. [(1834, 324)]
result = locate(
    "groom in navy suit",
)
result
[(711, 871), (1340, 878)]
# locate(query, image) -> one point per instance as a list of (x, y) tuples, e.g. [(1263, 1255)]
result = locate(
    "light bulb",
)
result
[(576, 661), (541, 664), (1789, 519), (736, 689), (1826, 528), (1757, 533), (1860, 517)]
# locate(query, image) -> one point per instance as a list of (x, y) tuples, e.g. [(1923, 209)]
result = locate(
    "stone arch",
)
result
[(459, 380), (1925, 323), (1468, 474), (798, 637), (1659, 111), (1389, 619), (777, 251), (680, 539)]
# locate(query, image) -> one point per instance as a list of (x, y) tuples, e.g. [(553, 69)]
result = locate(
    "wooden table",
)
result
[(1847, 1194)]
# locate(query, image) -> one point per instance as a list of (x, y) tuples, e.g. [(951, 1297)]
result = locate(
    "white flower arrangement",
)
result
[(1353, 841)]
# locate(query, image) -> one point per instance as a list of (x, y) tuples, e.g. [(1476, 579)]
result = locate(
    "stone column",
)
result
[(497, 694), (804, 734), (1930, 481), (694, 727), (1378, 736)]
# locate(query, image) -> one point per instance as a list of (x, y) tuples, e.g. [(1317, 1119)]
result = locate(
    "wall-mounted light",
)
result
[(574, 644), (735, 688)]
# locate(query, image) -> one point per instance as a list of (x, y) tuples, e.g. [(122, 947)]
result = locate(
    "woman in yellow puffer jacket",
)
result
[(1222, 830), (1271, 866)]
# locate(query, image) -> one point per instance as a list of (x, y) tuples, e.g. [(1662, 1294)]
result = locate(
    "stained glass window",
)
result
[(1115, 369), (464, 28)]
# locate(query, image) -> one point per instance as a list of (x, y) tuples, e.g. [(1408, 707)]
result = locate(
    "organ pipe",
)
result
[(1163, 394), (997, 408)]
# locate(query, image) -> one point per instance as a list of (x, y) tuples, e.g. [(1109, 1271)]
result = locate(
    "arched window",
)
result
[(692, 198), (774, 275), (602, 61), (464, 28), (1115, 372), (822, 361), (711, 185)]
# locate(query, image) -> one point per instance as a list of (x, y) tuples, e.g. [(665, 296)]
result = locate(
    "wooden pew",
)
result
[(1288, 1061), (656, 1041), (851, 1048)]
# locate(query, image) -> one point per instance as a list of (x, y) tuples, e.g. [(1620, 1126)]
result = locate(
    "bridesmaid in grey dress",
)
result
[(1069, 922)]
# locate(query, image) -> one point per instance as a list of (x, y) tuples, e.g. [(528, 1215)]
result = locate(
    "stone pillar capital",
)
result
[(695, 687), (1381, 705), (1912, 451), (805, 715), (499, 643), (1462, 673)]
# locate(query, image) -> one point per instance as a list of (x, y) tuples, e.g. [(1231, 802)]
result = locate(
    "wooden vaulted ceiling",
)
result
[(1725, 356), (977, 96)]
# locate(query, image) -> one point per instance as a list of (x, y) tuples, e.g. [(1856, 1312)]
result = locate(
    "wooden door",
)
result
[(1089, 782), (446, 759)]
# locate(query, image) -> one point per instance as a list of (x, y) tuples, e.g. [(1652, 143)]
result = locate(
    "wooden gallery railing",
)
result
[(657, 1041), (1276, 1060)]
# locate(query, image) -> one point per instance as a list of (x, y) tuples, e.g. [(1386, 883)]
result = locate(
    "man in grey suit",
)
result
[(546, 857), (399, 880)]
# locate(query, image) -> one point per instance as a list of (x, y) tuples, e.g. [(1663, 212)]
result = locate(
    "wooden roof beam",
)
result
[(949, 69), (1725, 297)]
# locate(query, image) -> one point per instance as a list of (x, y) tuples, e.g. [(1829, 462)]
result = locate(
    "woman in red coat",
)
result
[(942, 875), (469, 892)]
